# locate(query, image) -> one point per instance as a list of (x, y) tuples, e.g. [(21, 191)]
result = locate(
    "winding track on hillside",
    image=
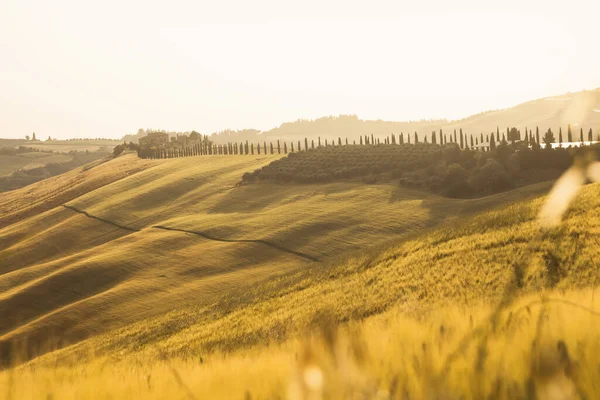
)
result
[(100, 219), (265, 242), (198, 233)]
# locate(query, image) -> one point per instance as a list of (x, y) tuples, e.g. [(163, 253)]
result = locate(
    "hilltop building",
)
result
[(154, 139)]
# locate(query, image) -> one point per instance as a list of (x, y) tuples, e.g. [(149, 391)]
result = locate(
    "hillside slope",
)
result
[(473, 335), (110, 244), (460, 263)]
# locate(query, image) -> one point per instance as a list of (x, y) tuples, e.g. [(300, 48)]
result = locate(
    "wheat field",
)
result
[(131, 307), (384, 324)]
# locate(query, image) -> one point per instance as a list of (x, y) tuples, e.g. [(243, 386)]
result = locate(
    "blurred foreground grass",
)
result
[(543, 346)]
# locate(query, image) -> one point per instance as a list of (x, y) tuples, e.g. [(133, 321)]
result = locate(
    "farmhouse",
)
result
[(154, 139)]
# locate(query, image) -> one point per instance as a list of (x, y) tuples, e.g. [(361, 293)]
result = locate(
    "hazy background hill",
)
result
[(580, 109)]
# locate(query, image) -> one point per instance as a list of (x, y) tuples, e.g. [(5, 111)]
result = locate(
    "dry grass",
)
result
[(490, 306), (544, 346), (95, 276)]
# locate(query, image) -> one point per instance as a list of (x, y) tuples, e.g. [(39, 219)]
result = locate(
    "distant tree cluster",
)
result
[(446, 170), (453, 164), (330, 163), (125, 146)]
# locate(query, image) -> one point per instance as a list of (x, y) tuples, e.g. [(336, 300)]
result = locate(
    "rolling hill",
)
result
[(119, 241), (580, 109), (430, 313)]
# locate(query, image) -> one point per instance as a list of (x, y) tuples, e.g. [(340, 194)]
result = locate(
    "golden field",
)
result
[(31, 160), (338, 290)]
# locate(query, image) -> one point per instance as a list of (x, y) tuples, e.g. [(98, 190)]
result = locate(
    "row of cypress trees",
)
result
[(488, 142)]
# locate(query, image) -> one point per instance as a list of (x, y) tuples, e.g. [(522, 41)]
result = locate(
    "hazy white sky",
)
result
[(76, 68)]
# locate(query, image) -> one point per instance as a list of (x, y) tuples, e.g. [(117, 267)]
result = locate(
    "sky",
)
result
[(72, 68)]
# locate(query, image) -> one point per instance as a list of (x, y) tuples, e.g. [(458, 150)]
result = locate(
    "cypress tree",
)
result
[(340, 141), (271, 143), (265, 147), (492, 143), (416, 137), (471, 141), (312, 143), (278, 147), (590, 135), (433, 137), (408, 138), (445, 139), (361, 142), (346, 141), (526, 139), (537, 136), (319, 141), (581, 135), (325, 142), (476, 141), (299, 147), (441, 138), (401, 138), (560, 136), (569, 134), (462, 142), (393, 139), (285, 147), (425, 138), (531, 137), (497, 133), (247, 147), (292, 144), (252, 149), (258, 148), (455, 138), (481, 139), (305, 143), (372, 139)]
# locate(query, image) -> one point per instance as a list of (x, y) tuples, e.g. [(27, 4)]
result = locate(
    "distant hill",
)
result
[(580, 109), (33, 161)]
